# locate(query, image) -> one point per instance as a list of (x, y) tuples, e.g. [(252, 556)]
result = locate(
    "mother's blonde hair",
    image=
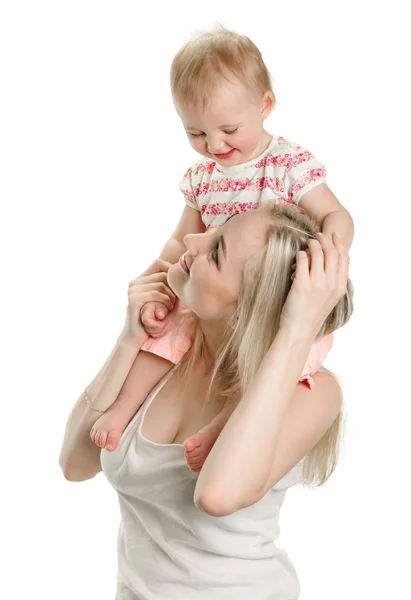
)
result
[(254, 325)]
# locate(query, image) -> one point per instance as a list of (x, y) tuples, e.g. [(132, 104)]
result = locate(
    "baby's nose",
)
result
[(215, 145)]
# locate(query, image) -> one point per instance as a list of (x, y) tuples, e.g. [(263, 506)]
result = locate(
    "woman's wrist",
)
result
[(134, 338), (299, 332)]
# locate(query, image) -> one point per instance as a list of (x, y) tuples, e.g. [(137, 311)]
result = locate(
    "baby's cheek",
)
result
[(199, 145)]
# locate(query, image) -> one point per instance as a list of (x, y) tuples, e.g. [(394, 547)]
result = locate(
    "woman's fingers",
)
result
[(160, 287), (331, 253), (157, 296), (158, 266), (154, 288), (336, 261), (303, 268), (327, 256), (158, 276), (334, 251), (156, 279), (317, 258)]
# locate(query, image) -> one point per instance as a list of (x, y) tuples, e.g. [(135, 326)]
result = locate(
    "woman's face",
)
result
[(215, 260)]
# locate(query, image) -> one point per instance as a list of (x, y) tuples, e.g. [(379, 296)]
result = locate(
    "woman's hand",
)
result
[(153, 315), (317, 285), (149, 287)]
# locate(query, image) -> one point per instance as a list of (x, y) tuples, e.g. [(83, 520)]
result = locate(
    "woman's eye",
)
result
[(230, 132), (214, 254)]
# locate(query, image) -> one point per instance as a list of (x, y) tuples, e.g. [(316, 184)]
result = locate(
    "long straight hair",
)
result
[(256, 321)]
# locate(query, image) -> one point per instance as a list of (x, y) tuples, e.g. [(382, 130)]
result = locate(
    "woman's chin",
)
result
[(175, 280)]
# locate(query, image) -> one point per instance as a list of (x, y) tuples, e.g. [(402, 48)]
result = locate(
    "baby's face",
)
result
[(230, 129)]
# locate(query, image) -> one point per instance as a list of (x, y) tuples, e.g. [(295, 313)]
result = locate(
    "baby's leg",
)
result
[(146, 372), (198, 446), (108, 429)]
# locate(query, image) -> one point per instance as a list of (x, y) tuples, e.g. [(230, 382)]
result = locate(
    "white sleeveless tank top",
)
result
[(168, 549)]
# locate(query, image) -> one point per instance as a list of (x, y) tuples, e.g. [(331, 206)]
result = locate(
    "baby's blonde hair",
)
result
[(211, 56), (254, 325)]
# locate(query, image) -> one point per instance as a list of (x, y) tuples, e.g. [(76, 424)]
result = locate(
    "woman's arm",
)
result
[(247, 459), (79, 456), (277, 422), (237, 470)]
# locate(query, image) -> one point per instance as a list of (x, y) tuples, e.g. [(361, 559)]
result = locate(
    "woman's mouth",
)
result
[(225, 155), (183, 263)]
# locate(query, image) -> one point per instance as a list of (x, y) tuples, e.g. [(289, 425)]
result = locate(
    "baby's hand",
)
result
[(153, 317)]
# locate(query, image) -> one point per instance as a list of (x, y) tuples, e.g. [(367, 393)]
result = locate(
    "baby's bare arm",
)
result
[(333, 216), (340, 220), (190, 222)]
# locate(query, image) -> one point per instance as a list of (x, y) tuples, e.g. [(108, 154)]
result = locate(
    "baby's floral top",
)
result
[(282, 174)]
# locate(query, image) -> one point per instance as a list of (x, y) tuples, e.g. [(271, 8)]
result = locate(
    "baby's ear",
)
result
[(268, 104)]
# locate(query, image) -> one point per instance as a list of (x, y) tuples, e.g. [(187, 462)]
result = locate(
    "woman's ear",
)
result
[(268, 104)]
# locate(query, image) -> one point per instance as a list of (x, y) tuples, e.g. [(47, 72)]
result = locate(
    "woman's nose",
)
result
[(193, 242)]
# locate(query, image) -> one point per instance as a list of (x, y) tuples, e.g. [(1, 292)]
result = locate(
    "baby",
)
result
[(222, 92)]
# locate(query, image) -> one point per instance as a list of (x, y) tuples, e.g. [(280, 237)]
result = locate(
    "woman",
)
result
[(183, 534)]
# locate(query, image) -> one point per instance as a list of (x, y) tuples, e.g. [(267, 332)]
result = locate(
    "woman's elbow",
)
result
[(214, 504), (76, 474)]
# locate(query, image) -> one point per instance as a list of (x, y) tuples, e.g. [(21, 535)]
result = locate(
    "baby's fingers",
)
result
[(155, 328), (161, 312), (148, 312)]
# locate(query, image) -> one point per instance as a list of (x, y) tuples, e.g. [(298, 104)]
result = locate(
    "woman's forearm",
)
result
[(240, 461), (79, 456)]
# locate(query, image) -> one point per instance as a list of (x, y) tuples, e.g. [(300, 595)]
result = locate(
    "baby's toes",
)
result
[(196, 469), (103, 439), (93, 434), (195, 466), (97, 438), (112, 441), (192, 443), (194, 463), (194, 455)]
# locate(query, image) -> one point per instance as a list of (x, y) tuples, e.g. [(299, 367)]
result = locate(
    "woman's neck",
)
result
[(213, 332)]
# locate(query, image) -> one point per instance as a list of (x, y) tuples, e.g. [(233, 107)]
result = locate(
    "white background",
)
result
[(91, 156)]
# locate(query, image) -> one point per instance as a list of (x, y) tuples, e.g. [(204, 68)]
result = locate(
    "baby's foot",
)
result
[(197, 448), (108, 429)]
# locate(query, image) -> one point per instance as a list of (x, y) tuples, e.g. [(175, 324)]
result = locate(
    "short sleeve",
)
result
[(318, 353), (186, 187), (303, 173)]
